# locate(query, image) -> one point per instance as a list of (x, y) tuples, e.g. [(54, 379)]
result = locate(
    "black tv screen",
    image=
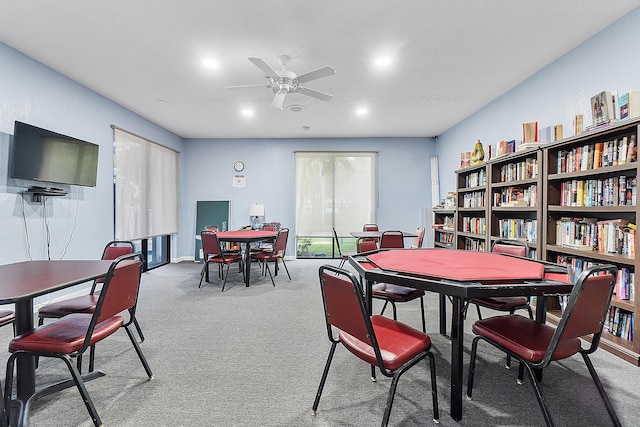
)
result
[(43, 155)]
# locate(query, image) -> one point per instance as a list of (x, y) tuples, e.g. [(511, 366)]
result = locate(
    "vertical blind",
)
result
[(334, 189), (146, 187)]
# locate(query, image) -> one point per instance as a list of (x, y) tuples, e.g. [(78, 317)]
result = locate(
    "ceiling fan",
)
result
[(284, 81)]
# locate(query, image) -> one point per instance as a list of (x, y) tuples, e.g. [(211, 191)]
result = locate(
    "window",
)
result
[(146, 192), (333, 189)]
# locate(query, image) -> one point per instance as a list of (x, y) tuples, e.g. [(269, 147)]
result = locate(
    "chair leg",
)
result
[(205, 271), (324, 378), (424, 322), (536, 389), (478, 310), (136, 346), (342, 261), (601, 390), (224, 282), (77, 378), (138, 329), (285, 268), (472, 367), (270, 276), (393, 308)]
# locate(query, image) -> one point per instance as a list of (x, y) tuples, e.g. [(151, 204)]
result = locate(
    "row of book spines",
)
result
[(474, 199), (446, 238), (598, 155), (516, 196), (475, 179), (624, 284), (518, 228), (614, 191), (578, 265), (527, 169), (614, 237), (474, 245), (474, 225), (620, 323)]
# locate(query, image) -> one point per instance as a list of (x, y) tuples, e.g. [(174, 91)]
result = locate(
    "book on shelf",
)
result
[(550, 133), (577, 246), (578, 124), (603, 108), (629, 105), (530, 132)]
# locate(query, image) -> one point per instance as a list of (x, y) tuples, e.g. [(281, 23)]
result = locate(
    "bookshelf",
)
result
[(515, 192), (444, 228), (583, 190), (590, 211), (471, 205)]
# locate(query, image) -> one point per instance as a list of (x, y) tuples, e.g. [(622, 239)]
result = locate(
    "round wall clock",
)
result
[(238, 166)]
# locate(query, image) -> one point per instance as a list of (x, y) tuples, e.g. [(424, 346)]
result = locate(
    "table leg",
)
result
[(457, 333), (443, 314), (247, 263)]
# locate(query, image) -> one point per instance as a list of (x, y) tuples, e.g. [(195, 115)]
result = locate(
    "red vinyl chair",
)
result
[(277, 254), (87, 303), (535, 345), (371, 227), (506, 304), (69, 337), (8, 317), (391, 346), (343, 257), (213, 254), (392, 239), (366, 245), (419, 239)]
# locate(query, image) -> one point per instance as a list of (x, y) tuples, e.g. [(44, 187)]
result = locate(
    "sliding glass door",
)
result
[(333, 189)]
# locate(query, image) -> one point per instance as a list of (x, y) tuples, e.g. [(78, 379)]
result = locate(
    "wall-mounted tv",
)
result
[(43, 155)]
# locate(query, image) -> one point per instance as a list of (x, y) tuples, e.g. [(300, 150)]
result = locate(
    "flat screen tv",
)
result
[(43, 155)]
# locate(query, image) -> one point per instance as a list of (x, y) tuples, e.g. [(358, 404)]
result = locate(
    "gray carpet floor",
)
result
[(254, 357)]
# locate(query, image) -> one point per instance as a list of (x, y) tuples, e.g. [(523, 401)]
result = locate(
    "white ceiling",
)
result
[(449, 58)]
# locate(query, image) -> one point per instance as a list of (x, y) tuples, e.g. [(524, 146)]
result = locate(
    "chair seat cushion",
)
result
[(79, 304), (265, 256), (524, 337), (395, 292), (64, 336), (6, 317), (502, 303), (224, 259), (398, 343)]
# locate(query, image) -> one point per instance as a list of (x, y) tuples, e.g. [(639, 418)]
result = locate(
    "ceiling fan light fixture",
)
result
[(296, 108)]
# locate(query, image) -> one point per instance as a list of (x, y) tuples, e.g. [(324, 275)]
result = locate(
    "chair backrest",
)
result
[(117, 248), (510, 247), (587, 308), (392, 239), (280, 245), (344, 305), (335, 237), (269, 228), (119, 292), (366, 245), (113, 250), (210, 244), (417, 241), (210, 228), (370, 227)]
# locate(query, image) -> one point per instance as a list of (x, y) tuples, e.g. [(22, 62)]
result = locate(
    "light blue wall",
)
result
[(82, 222), (554, 95), (403, 179)]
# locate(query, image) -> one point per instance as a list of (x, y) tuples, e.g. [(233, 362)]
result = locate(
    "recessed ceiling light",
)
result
[(362, 111), (383, 61), (210, 63), (296, 108), (247, 112)]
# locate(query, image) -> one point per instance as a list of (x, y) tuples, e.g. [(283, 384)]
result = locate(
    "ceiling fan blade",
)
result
[(247, 86), (316, 74), (258, 62), (278, 100), (316, 94)]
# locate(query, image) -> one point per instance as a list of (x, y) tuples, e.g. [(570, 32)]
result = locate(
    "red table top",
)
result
[(246, 235), (458, 265)]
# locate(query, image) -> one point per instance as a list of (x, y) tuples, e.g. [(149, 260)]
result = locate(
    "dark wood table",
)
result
[(461, 275), (20, 283), (246, 237)]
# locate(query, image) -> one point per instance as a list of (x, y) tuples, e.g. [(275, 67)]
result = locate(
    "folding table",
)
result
[(462, 275)]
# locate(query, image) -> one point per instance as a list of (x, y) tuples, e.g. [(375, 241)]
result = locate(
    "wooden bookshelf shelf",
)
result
[(580, 183)]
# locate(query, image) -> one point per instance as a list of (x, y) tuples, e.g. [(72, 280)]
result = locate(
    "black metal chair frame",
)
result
[(334, 322), (224, 257), (274, 255), (564, 327)]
